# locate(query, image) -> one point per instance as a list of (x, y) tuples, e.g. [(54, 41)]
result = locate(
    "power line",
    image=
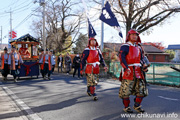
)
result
[(12, 4), (23, 7), (28, 16), (7, 6), (25, 19), (17, 11), (2, 13)]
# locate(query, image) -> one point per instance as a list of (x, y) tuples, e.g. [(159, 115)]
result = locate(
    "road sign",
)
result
[(14, 36)]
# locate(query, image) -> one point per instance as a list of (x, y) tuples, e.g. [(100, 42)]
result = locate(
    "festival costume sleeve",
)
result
[(41, 60), (84, 57), (146, 60), (122, 56)]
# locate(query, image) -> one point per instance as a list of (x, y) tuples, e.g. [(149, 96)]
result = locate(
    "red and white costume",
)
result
[(91, 58), (131, 77)]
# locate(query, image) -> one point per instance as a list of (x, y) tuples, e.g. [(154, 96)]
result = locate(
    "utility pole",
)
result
[(1, 35), (11, 23), (10, 39), (42, 3), (102, 31)]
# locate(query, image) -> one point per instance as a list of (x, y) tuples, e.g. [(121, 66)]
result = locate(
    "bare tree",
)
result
[(63, 20), (81, 43), (143, 14), (37, 29)]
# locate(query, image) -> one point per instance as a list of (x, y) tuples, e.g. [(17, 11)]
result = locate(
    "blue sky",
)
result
[(21, 9), (167, 33)]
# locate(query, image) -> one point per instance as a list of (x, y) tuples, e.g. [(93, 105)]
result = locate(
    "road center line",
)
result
[(31, 115), (168, 98)]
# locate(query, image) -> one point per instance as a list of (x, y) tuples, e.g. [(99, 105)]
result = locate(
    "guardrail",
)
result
[(160, 73)]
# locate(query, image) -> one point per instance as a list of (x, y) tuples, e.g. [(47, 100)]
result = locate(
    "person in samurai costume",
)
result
[(131, 77), (4, 64), (15, 62), (40, 57), (47, 62), (92, 57)]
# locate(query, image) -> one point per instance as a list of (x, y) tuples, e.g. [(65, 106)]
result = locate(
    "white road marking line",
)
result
[(31, 115), (168, 98)]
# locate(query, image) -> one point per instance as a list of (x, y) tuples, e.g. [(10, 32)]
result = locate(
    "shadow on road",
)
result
[(58, 106)]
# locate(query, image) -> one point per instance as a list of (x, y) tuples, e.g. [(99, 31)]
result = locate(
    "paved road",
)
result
[(64, 98)]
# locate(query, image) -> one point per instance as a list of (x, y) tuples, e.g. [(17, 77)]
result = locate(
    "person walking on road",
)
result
[(76, 65), (91, 58), (60, 62), (68, 63), (131, 76), (52, 54), (40, 57), (15, 62), (47, 62), (4, 64)]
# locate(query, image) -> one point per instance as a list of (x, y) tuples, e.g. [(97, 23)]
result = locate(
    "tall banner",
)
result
[(91, 31), (109, 18)]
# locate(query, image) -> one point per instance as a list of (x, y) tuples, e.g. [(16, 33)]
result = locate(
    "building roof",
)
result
[(113, 46), (151, 49), (173, 47), (147, 48), (24, 39)]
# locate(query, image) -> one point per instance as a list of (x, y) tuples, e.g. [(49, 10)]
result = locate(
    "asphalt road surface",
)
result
[(65, 98)]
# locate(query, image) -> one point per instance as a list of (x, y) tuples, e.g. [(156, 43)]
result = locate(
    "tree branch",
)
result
[(155, 23), (146, 7), (124, 12)]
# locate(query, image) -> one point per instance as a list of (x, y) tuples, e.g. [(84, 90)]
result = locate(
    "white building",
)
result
[(176, 48)]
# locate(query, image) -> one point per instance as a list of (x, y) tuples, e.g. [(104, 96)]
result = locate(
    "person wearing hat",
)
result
[(4, 64), (41, 56), (131, 77), (47, 62), (14, 62), (91, 58)]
